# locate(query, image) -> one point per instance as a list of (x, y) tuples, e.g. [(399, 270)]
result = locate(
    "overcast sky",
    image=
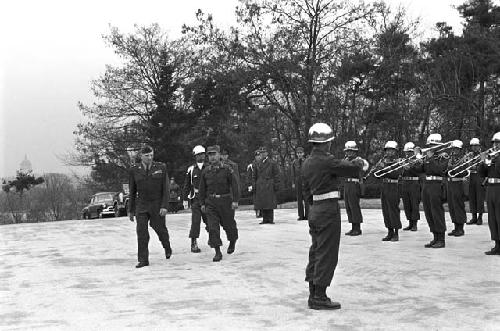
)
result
[(50, 51)]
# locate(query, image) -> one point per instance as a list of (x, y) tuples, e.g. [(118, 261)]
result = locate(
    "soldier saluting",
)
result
[(219, 195), (149, 195)]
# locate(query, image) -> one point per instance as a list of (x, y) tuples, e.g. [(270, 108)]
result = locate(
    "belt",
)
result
[(390, 181), (355, 180), (196, 190), (456, 179), (219, 195), (473, 171), (324, 196), (433, 178), (493, 180), (410, 178)]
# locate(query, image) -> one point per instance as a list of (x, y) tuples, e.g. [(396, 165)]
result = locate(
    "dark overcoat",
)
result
[(267, 183)]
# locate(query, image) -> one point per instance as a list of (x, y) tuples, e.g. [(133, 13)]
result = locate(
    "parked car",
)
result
[(106, 204)]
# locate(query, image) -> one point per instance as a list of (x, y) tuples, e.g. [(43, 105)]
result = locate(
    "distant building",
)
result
[(25, 165)]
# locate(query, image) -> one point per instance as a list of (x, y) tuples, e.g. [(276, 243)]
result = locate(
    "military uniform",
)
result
[(174, 199), (149, 191), (302, 205), (411, 195), (321, 179), (266, 177), (191, 191), (352, 197), (389, 198), (455, 196), (218, 190), (476, 195)]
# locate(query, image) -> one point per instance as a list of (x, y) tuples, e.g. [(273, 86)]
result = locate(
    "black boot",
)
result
[(495, 250), (142, 264), (414, 226), (230, 249), (320, 301), (390, 233), (480, 219), (395, 236), (460, 230), (311, 294), (168, 252), (218, 255), (440, 243), (349, 233), (194, 246), (473, 220), (432, 242), (454, 231), (409, 227)]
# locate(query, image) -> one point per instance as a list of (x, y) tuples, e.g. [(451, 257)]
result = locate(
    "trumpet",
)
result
[(465, 164)]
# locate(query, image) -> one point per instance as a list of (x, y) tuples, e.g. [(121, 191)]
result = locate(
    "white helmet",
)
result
[(350, 146), (496, 137), (320, 133), (434, 138), (198, 149), (474, 142), (409, 147), (391, 144), (457, 144)]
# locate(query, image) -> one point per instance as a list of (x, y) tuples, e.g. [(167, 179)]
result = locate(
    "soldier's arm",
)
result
[(235, 189), (133, 192), (186, 187), (306, 189), (166, 188), (203, 188), (344, 168)]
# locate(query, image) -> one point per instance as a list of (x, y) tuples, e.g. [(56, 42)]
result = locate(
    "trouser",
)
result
[(302, 205), (456, 203), (173, 206), (352, 195), (219, 213), (410, 194), (157, 222), (476, 195), (324, 228), (432, 200), (389, 196), (196, 217), (267, 215), (493, 204)]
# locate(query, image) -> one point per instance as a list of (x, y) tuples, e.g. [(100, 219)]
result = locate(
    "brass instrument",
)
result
[(395, 166), (438, 148), (466, 165)]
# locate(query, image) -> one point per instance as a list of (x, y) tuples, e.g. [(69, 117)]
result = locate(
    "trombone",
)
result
[(465, 164), (394, 166)]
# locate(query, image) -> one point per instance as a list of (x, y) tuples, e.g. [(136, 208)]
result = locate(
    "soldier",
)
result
[(267, 181), (219, 194), (191, 192), (352, 190), (302, 205), (149, 193), (410, 191), (251, 168), (434, 166), (455, 191), (321, 172), (476, 188), (490, 168), (224, 157), (175, 196), (389, 195)]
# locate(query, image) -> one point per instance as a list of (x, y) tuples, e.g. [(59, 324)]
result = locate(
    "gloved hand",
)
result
[(185, 204), (250, 188), (163, 212), (234, 205), (203, 209), (131, 217)]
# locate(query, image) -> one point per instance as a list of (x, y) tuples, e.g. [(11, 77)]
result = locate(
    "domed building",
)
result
[(25, 165)]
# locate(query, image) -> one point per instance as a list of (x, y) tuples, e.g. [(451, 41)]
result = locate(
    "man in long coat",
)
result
[(267, 185)]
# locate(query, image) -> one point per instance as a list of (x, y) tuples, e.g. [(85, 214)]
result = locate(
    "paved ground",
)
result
[(81, 275)]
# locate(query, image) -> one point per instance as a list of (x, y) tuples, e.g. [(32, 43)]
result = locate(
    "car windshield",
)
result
[(104, 197)]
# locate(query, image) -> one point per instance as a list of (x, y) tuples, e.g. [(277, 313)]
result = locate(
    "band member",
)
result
[(302, 205), (491, 168), (389, 194), (191, 192), (455, 190), (352, 190), (476, 188), (251, 169), (267, 182), (433, 164), (219, 194), (321, 172), (149, 193), (410, 191)]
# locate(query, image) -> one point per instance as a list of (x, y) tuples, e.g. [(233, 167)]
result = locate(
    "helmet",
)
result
[(391, 144), (350, 146), (474, 142), (320, 133), (457, 144), (496, 137), (434, 138), (409, 147), (198, 149)]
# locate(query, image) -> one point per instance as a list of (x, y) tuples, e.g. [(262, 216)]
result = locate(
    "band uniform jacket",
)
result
[(148, 187), (267, 183)]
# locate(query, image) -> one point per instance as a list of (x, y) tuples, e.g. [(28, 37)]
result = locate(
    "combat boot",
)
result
[(473, 220), (439, 241), (218, 255), (460, 230), (311, 294), (390, 233), (194, 246), (320, 301), (409, 227), (395, 236), (142, 264), (432, 242), (230, 249), (454, 231), (480, 219), (168, 252), (495, 250), (414, 226)]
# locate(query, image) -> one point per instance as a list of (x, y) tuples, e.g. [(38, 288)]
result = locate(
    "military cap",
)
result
[(224, 151), (146, 149), (213, 149), (299, 149), (263, 150)]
